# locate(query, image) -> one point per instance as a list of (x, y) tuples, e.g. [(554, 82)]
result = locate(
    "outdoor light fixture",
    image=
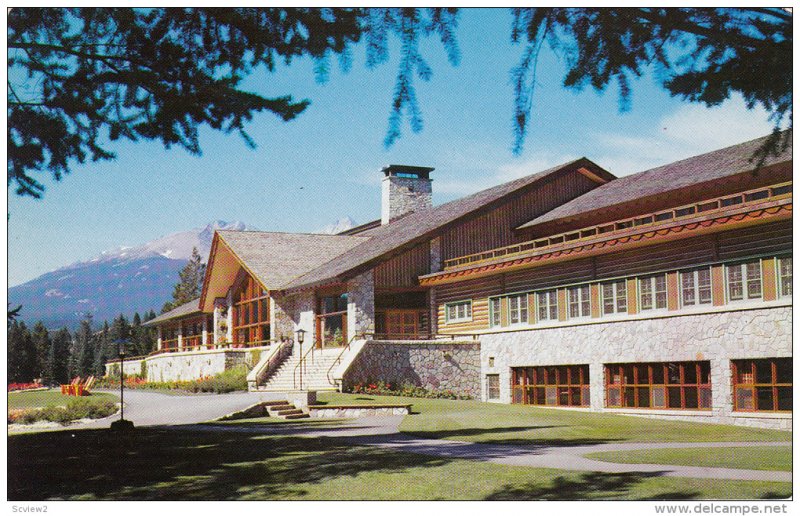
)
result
[(301, 336), (122, 424)]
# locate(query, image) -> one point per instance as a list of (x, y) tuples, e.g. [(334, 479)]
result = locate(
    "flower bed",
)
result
[(408, 390), (13, 387), (234, 379)]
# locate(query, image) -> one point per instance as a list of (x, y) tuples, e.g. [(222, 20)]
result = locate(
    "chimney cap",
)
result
[(407, 170)]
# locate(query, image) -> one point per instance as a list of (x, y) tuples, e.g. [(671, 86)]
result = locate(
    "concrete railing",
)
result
[(269, 363)]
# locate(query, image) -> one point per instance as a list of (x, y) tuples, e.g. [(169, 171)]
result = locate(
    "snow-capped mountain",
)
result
[(340, 225), (122, 280)]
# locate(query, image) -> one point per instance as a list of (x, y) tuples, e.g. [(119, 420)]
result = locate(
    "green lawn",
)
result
[(175, 464), (38, 399), (769, 458), (518, 424)]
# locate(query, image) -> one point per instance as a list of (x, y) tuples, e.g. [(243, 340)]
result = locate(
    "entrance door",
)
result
[(331, 321)]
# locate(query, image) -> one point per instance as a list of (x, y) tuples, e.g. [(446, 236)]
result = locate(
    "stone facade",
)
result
[(361, 305), (434, 365), (191, 365), (718, 337), (403, 195), (132, 368)]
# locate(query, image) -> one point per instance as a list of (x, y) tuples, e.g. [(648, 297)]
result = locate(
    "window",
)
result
[(696, 287), (493, 386), (762, 385), (659, 385), (744, 281), (566, 386), (459, 311), (615, 299), (518, 309), (494, 312), (785, 276), (250, 313), (547, 305), (579, 305), (653, 292)]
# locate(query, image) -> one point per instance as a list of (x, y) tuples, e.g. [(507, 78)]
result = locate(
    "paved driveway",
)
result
[(147, 408)]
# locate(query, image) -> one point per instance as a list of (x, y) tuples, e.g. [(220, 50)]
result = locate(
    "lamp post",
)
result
[(122, 424), (301, 335)]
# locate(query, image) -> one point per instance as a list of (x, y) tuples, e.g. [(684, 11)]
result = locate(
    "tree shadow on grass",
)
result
[(588, 486), (530, 442), (181, 464)]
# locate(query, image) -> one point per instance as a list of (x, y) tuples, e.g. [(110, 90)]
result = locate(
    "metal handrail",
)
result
[(299, 364), (708, 206), (338, 360), (279, 355)]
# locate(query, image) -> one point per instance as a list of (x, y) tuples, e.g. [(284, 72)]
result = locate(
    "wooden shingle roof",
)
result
[(183, 310), (687, 173), (277, 258), (414, 228)]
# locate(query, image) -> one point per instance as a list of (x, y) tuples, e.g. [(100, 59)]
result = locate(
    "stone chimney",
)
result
[(405, 189)]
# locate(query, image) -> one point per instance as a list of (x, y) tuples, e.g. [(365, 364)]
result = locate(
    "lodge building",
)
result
[(665, 293)]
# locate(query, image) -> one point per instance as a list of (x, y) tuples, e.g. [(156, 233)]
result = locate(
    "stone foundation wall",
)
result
[(717, 337), (361, 305), (437, 366), (176, 367), (132, 368)]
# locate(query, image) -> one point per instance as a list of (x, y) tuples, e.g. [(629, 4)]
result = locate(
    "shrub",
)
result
[(77, 408), (234, 379), (406, 389)]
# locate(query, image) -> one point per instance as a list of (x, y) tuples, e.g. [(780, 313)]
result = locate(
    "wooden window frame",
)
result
[(581, 301), (518, 302), (746, 281), (495, 312), (695, 287), (492, 389), (536, 385), (455, 304), (638, 385), (652, 283), (779, 274), (251, 313), (615, 297), (739, 367), (551, 307)]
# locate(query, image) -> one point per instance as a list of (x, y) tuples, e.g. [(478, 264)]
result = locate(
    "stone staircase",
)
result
[(315, 373), (284, 410)]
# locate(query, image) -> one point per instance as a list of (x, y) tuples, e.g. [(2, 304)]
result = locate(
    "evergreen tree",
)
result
[(104, 351), (190, 284), (41, 343), (57, 364), (21, 354), (85, 348), (121, 331)]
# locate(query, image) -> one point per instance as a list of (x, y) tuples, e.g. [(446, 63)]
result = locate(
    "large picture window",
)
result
[(615, 298), (566, 386), (744, 281), (659, 385), (579, 302), (250, 313), (547, 305), (696, 287), (653, 292), (762, 385), (332, 321)]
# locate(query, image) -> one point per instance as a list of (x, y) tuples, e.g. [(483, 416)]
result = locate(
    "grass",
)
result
[(476, 421), (767, 458), (39, 399), (174, 464)]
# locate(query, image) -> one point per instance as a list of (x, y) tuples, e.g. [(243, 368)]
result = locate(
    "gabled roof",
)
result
[(683, 174), (411, 229), (274, 259), (183, 310)]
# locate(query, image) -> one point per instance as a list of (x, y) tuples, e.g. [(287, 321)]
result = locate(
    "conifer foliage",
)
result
[(190, 283)]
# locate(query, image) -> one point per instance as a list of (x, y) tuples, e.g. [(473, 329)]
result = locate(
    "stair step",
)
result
[(296, 416), (288, 412)]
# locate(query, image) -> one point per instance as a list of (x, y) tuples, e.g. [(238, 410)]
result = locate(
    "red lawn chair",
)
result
[(69, 388)]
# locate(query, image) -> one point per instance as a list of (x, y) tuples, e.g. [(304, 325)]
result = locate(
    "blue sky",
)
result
[(326, 164)]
